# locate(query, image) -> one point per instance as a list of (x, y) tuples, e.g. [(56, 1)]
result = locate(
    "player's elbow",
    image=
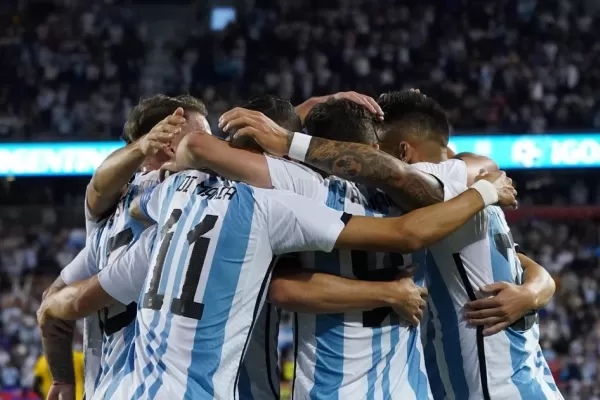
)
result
[(280, 293), (411, 239)]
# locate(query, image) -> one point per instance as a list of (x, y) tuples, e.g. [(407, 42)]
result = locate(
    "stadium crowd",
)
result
[(74, 70), (514, 66)]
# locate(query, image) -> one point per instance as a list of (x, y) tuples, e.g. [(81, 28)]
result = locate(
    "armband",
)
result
[(299, 146), (487, 191)]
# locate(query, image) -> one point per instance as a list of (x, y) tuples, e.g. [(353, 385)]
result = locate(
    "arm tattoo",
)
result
[(57, 341), (361, 163)]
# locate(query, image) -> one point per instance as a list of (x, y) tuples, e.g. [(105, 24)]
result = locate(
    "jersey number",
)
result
[(183, 305), (360, 269)]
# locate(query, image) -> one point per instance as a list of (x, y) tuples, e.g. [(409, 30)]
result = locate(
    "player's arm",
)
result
[(122, 282), (475, 163), (114, 173), (57, 333), (537, 281), (408, 186), (199, 150), (145, 207), (304, 290), (299, 224), (507, 303)]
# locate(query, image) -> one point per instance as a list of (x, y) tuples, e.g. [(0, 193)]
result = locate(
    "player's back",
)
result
[(354, 355), (461, 362), (108, 333), (210, 268)]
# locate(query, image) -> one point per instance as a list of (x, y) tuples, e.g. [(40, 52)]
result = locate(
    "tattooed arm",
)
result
[(407, 186), (57, 341), (360, 163)]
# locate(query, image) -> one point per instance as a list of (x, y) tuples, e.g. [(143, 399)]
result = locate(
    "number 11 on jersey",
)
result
[(183, 305)]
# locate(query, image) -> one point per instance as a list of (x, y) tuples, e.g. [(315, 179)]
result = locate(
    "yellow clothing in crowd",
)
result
[(42, 372)]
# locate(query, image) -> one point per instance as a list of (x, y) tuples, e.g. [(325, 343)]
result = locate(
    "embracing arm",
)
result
[(108, 180), (200, 150), (361, 163), (77, 300), (475, 163), (538, 281), (57, 341), (307, 291)]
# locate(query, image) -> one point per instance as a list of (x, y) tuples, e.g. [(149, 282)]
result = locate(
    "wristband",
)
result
[(487, 191), (299, 146)]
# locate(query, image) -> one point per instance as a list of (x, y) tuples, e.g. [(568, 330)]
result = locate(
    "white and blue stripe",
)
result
[(337, 356), (462, 364)]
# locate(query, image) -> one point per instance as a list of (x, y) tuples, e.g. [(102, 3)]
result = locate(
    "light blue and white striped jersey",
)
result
[(354, 355), (107, 334), (462, 364), (210, 267)]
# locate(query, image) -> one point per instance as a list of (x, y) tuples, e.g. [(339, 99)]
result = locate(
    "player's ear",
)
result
[(405, 152)]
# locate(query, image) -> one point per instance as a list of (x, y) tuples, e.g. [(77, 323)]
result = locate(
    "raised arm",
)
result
[(199, 150), (407, 186), (108, 180)]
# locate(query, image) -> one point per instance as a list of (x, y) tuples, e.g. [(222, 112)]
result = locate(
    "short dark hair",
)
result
[(282, 112), (342, 120), (152, 110), (416, 113)]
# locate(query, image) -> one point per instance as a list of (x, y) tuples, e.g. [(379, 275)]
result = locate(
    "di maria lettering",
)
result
[(224, 191)]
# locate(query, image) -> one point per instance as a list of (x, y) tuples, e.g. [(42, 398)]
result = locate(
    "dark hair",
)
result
[(152, 110), (416, 113), (342, 120), (282, 112)]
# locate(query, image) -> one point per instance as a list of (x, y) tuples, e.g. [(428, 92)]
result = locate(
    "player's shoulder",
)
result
[(294, 168), (451, 169)]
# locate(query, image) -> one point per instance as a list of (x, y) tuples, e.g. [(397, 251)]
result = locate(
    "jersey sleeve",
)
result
[(292, 176), (150, 202), (451, 173), (82, 267), (296, 223), (124, 279)]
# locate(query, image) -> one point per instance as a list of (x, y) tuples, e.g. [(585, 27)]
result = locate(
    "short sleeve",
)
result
[(150, 202), (452, 173), (124, 279), (292, 176), (82, 267), (91, 223), (296, 223)]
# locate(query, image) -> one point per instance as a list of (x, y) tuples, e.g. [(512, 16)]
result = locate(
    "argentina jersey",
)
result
[(210, 266), (113, 325), (354, 355), (461, 362)]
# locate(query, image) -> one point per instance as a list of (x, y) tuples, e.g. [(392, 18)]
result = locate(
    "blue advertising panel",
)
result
[(510, 152)]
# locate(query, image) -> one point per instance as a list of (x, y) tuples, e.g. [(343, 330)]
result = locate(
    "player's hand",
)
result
[(160, 136), (509, 302), (53, 328), (242, 123), (507, 195), (167, 169), (407, 298), (61, 391), (367, 102)]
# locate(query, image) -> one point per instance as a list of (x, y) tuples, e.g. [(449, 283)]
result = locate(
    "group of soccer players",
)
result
[(401, 271)]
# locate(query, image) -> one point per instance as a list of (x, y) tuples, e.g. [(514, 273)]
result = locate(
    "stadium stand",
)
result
[(72, 71)]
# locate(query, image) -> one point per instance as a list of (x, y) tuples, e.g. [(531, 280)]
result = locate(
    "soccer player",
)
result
[(416, 129), (210, 265), (359, 372), (151, 131)]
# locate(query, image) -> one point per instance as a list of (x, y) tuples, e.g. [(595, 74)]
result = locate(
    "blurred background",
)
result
[(519, 80)]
